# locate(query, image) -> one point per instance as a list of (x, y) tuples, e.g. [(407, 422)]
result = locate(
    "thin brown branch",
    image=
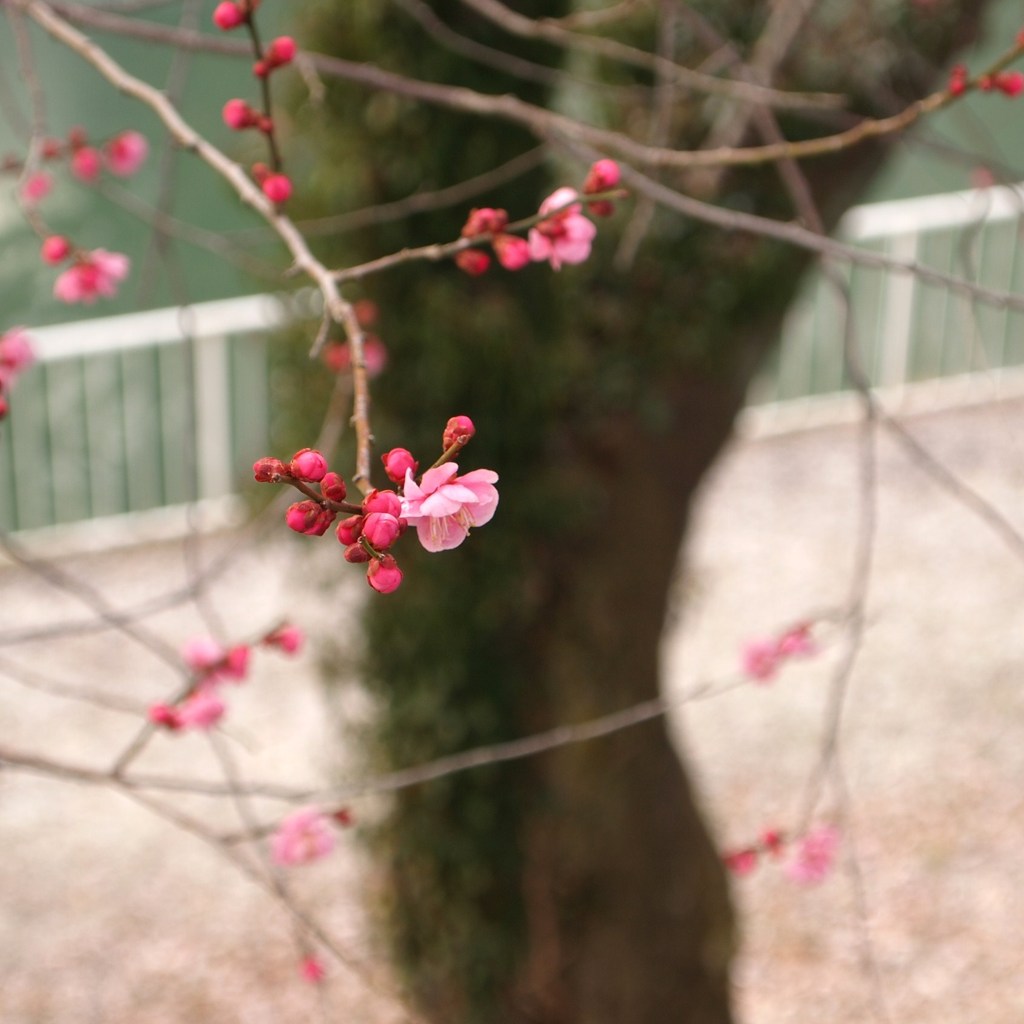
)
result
[(552, 31)]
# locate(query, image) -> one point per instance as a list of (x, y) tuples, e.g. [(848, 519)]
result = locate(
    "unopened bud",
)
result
[(350, 530), (55, 249), (268, 470), (458, 429), (381, 530), (472, 261), (356, 553), (384, 575), (333, 487), (485, 221), (382, 501), (396, 462), (309, 517), (309, 465)]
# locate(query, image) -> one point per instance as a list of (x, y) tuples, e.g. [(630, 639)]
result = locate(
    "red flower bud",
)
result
[(238, 114), (228, 15), (55, 249), (381, 530), (396, 462), (309, 465), (458, 428), (86, 163), (277, 187), (165, 716), (349, 530), (601, 177), (384, 575), (485, 221), (309, 517), (333, 487), (382, 501), (269, 470), (512, 251), (472, 261), (356, 553)]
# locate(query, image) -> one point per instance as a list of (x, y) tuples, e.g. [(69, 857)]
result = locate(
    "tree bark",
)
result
[(583, 887)]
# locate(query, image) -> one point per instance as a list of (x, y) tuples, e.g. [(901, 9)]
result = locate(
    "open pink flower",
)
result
[(564, 238), (814, 856), (302, 837), (443, 506), (95, 275)]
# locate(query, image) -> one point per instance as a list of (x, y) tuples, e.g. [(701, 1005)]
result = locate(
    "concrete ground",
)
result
[(110, 915)]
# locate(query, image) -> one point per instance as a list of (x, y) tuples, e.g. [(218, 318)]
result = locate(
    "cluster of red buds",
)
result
[(743, 861), (16, 355), (122, 155), (562, 235), (1009, 83), (812, 855), (210, 664), (238, 114), (440, 504)]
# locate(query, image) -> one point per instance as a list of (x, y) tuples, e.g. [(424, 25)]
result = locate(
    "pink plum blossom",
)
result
[(302, 837), (443, 506), (203, 710), (312, 970), (566, 236), (741, 862), (512, 251), (814, 855), (15, 350), (36, 186), (94, 275), (202, 654), (126, 153), (286, 638), (86, 163), (761, 659)]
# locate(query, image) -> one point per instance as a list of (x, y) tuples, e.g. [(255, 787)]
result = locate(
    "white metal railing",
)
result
[(139, 412), (909, 332)]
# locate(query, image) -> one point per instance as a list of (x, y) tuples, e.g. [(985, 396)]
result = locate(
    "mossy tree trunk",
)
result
[(581, 886)]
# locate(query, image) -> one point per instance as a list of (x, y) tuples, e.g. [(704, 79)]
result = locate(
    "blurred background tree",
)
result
[(581, 885)]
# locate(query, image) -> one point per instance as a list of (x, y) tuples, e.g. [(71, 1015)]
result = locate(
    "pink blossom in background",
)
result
[(201, 654), (236, 663), (312, 970), (565, 237), (760, 659), (302, 837), (384, 575), (203, 710), (95, 275), (36, 186), (16, 350), (814, 855), (797, 643), (443, 506), (86, 164), (126, 153), (512, 251), (740, 862), (286, 638)]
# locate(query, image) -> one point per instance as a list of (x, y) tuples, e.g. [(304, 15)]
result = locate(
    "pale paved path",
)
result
[(109, 916)]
